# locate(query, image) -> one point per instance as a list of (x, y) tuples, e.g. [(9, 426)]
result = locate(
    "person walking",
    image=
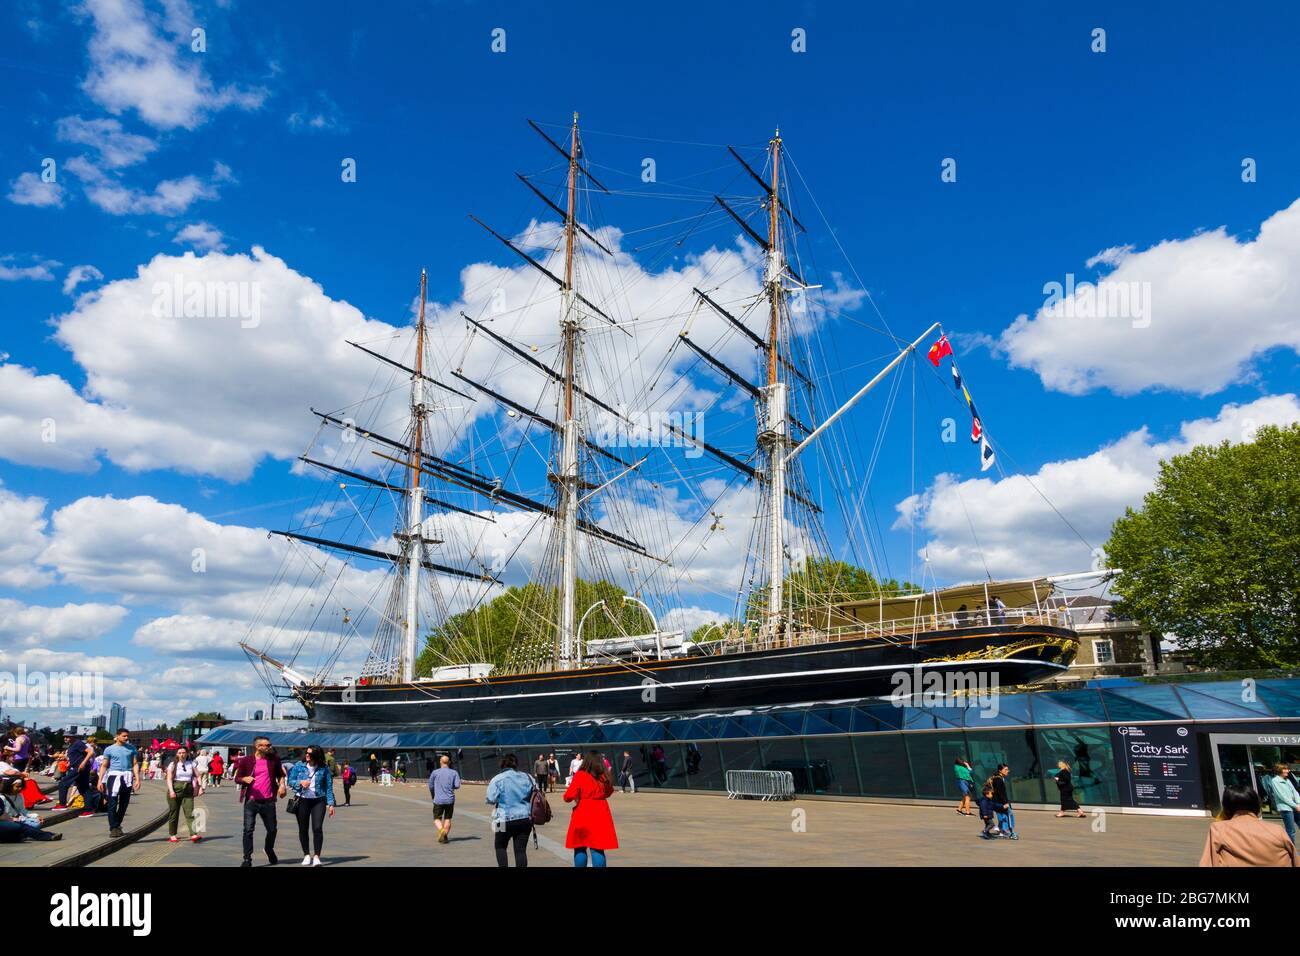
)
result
[(552, 773), (1240, 838), (511, 793), (1065, 784), (310, 782), (183, 785), (333, 765), (215, 768), (626, 775), (540, 772), (374, 769), (260, 776), (443, 784), (574, 766), (591, 828), (80, 755), (1284, 798), (121, 778), (961, 768), (1001, 797), (201, 764), (349, 778)]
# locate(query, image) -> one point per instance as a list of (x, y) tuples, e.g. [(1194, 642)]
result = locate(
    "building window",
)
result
[(1103, 652)]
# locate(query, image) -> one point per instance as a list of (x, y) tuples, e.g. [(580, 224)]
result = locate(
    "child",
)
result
[(988, 812)]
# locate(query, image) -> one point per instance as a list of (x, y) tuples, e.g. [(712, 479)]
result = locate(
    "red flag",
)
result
[(938, 350), (976, 430)]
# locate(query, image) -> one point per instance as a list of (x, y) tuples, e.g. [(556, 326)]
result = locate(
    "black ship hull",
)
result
[(978, 658)]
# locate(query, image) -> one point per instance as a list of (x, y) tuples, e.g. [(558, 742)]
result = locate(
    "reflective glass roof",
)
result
[(1113, 702)]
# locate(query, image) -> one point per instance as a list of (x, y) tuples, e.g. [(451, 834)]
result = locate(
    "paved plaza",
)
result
[(393, 826)]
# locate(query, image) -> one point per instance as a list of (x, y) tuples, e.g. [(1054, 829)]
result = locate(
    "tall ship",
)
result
[(431, 584)]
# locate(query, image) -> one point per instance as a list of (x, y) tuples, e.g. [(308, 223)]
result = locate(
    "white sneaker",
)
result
[(315, 861), (306, 860)]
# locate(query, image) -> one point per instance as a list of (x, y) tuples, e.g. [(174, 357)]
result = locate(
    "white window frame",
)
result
[(1096, 651)]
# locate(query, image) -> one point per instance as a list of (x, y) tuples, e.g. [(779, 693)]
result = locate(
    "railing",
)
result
[(899, 630), (760, 784)]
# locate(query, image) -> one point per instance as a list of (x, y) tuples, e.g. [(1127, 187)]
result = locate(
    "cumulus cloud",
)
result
[(140, 61), (1213, 303), (202, 236), (170, 197), (34, 625), (30, 190), (115, 147), (79, 274), (22, 539), (41, 271), (1017, 531)]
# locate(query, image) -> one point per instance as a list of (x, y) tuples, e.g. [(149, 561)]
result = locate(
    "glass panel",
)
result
[(1234, 761), (1091, 757), (787, 753), (704, 767), (1019, 751), (815, 723), (882, 765), (931, 758), (833, 766), (1218, 701), (1150, 702), (741, 755), (1085, 702), (1281, 696)]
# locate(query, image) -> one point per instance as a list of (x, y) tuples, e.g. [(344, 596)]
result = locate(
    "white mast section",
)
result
[(773, 434), (570, 324), (415, 516)]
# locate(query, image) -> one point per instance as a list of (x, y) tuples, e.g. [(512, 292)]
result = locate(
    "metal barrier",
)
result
[(763, 784)]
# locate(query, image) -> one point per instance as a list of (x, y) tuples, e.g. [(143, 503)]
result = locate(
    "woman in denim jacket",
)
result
[(309, 780), (511, 792)]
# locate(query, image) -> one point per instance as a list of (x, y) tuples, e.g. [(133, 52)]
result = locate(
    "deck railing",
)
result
[(901, 631)]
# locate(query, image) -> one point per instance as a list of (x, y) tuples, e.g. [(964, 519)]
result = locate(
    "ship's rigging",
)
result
[(462, 521)]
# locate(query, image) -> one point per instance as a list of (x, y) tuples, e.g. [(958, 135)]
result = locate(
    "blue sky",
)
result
[(1061, 152)]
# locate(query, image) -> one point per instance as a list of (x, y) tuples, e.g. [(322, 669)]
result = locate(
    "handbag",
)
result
[(291, 804)]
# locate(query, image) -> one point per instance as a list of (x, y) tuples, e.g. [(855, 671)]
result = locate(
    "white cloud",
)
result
[(78, 275), (22, 539), (140, 63), (32, 625), (170, 197), (202, 236), (41, 271), (116, 147), (1216, 303), (30, 190), (1018, 532)]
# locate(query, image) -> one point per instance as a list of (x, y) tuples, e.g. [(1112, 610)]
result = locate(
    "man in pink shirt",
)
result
[(261, 782)]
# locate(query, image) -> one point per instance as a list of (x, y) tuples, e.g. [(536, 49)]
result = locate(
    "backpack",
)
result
[(539, 808)]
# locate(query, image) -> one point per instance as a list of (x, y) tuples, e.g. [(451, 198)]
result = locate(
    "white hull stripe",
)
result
[(639, 687)]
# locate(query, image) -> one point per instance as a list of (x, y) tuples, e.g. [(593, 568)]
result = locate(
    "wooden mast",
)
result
[(568, 477), (773, 435), (415, 501)]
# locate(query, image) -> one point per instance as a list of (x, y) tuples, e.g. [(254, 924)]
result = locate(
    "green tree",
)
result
[(516, 629), (1212, 558), (820, 582)]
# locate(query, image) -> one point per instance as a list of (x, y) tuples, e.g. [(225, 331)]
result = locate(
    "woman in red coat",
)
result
[(591, 828)]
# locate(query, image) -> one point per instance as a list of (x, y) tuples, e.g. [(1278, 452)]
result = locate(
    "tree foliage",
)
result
[(1212, 558), (826, 581), (520, 626)]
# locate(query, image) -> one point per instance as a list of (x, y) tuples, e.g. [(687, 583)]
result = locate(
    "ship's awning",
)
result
[(1023, 593)]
